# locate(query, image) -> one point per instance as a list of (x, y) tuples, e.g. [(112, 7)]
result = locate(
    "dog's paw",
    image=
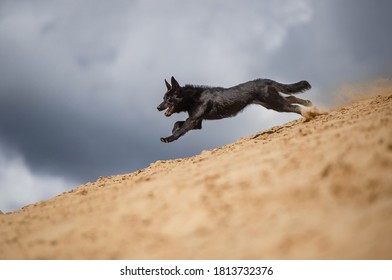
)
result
[(308, 103), (165, 140)]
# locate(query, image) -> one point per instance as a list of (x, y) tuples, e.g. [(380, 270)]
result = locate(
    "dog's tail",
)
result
[(292, 88)]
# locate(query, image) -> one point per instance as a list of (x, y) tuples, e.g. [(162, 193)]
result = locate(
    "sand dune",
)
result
[(318, 189)]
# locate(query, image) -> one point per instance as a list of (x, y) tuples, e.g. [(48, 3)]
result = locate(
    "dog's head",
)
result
[(172, 98)]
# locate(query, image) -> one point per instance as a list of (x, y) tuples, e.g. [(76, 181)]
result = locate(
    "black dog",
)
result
[(212, 103)]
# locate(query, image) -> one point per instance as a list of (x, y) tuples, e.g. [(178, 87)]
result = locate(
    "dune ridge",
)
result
[(317, 189)]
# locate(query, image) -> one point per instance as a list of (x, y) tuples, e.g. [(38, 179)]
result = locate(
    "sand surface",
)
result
[(318, 189)]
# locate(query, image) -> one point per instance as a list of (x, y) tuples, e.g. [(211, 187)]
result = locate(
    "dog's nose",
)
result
[(160, 107)]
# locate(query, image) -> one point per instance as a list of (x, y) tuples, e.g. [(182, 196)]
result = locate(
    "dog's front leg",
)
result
[(177, 126), (184, 128)]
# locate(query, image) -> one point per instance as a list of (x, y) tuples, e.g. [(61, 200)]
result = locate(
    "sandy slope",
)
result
[(320, 189)]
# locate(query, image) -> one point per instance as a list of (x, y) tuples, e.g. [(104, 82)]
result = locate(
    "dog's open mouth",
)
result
[(169, 111)]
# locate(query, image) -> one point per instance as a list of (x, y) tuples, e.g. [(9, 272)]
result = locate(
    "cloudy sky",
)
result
[(80, 80)]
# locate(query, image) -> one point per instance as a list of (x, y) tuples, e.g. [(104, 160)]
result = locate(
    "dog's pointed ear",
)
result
[(174, 83), (168, 86)]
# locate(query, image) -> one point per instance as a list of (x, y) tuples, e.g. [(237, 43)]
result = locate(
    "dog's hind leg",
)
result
[(282, 104), (295, 100), (277, 102), (290, 108), (308, 113)]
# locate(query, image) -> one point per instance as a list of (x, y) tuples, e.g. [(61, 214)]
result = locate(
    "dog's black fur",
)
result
[(212, 103)]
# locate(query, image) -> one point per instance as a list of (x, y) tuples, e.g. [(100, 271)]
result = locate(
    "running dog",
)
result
[(212, 103)]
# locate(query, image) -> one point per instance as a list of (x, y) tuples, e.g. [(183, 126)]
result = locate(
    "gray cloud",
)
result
[(346, 42), (19, 186), (80, 80)]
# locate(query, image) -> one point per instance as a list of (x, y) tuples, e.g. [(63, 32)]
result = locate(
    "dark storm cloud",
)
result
[(346, 42), (80, 80)]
